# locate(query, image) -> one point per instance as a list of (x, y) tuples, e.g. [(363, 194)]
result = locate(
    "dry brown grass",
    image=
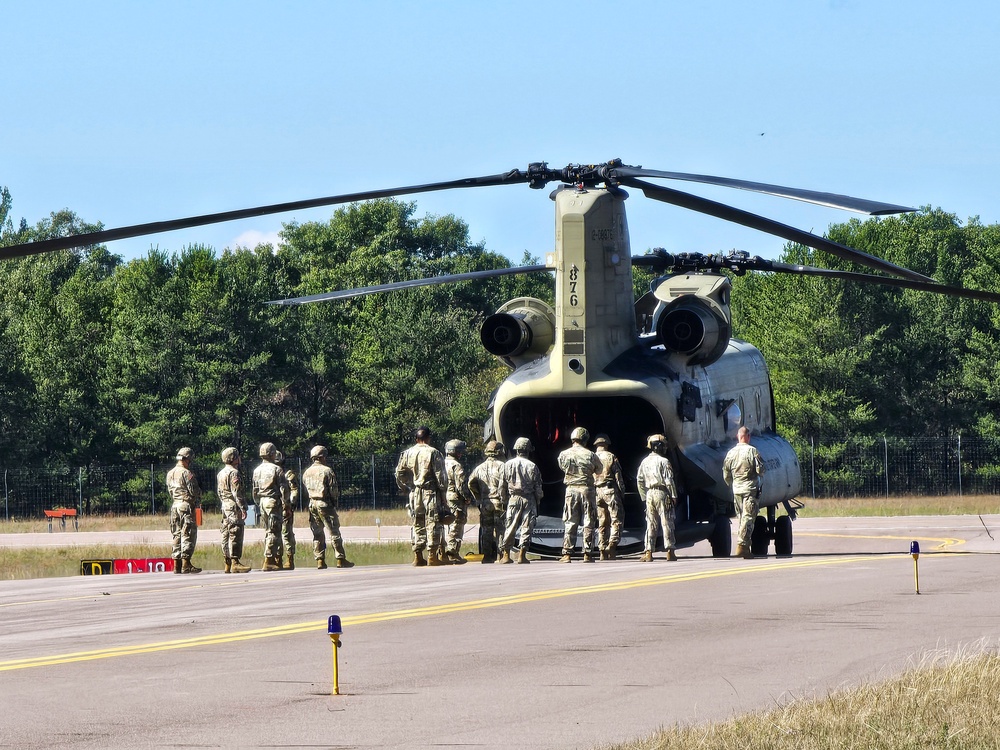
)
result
[(905, 505), (946, 701)]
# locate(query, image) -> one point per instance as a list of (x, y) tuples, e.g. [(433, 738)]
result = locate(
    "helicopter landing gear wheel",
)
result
[(721, 537), (783, 536), (759, 538)]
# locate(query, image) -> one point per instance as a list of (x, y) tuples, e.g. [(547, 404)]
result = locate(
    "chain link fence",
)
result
[(831, 467)]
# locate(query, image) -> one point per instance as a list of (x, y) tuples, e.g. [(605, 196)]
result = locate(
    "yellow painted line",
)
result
[(943, 542), (438, 609)]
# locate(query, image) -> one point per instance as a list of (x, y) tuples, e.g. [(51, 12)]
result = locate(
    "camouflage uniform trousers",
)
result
[(271, 518), (659, 516), (746, 508), (323, 516), (183, 529), (456, 529), (520, 522), (424, 509), (491, 528), (609, 517), (233, 528), (580, 506), (288, 534)]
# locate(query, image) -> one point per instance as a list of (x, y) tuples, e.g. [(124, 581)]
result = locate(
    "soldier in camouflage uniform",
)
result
[(742, 469), (520, 490), (610, 492), (268, 480), (459, 498), (229, 487), (484, 484), (185, 495), (321, 485), (420, 472), (659, 493), (290, 500), (580, 465)]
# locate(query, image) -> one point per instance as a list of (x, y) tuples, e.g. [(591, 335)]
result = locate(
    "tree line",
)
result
[(106, 361)]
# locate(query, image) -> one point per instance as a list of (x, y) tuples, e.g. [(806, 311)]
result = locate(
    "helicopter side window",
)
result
[(733, 419)]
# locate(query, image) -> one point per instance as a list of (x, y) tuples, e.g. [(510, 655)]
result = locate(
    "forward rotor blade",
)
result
[(864, 278), (139, 230), (833, 200), (738, 216), (397, 285)]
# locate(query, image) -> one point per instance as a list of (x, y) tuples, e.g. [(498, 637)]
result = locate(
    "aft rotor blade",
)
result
[(157, 227), (864, 278), (754, 221), (397, 285), (833, 200)]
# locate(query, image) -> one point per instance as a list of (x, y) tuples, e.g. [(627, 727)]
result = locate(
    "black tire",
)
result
[(783, 536), (721, 537), (759, 540)]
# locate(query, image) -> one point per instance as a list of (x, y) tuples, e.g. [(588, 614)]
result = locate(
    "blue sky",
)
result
[(127, 112)]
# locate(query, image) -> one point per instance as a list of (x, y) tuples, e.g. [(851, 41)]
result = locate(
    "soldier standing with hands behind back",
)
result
[(321, 485), (484, 484), (229, 487), (742, 469), (268, 479), (185, 493), (421, 473), (610, 491), (580, 465)]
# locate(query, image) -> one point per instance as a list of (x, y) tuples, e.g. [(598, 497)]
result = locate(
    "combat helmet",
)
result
[(580, 434), (494, 448), (268, 450), (229, 455), (454, 447), (602, 439), (654, 440), (185, 453), (318, 451), (523, 445)]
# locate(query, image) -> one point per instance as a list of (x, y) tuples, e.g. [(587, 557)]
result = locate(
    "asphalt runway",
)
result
[(486, 656)]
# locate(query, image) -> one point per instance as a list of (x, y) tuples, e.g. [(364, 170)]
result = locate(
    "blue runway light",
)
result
[(914, 548), (333, 624)]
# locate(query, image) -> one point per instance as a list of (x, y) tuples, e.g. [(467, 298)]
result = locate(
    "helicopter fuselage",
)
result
[(601, 374)]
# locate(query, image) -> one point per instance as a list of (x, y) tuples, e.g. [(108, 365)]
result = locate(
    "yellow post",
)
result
[(915, 551), (334, 630), (335, 639)]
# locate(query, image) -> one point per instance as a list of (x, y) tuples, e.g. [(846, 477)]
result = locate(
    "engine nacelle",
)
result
[(521, 331), (692, 317)]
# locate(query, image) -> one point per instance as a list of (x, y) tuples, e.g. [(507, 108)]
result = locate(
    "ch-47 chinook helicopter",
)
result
[(602, 360)]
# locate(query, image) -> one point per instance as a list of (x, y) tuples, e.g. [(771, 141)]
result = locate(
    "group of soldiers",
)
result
[(275, 491), (506, 491)]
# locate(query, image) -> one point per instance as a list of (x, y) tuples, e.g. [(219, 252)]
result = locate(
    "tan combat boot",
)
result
[(505, 557), (522, 556), (271, 563), (587, 557), (613, 552), (238, 567), (742, 551), (433, 560), (229, 566), (647, 556), (566, 557), (187, 567), (418, 559), (343, 562), (321, 563), (604, 554), (291, 563), (671, 557)]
